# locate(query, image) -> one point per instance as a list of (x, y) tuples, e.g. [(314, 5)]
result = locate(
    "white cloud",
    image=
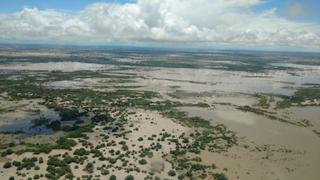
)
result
[(295, 10), (228, 22)]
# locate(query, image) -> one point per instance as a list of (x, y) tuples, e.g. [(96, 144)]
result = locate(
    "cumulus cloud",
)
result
[(230, 22), (296, 9)]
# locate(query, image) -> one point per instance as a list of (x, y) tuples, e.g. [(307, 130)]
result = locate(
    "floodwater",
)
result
[(294, 150), (55, 66), (200, 80), (18, 116), (194, 80), (25, 124), (302, 144), (77, 83), (311, 113)]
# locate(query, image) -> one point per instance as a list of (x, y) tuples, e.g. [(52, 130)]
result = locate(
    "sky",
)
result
[(234, 24)]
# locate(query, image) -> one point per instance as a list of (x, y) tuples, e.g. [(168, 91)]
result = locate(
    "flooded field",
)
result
[(54, 66), (173, 115)]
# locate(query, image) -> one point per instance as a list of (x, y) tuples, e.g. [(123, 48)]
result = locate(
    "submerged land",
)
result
[(137, 113)]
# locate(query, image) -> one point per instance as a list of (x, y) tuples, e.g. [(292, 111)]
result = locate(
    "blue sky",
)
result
[(312, 8), (288, 24), (8, 6)]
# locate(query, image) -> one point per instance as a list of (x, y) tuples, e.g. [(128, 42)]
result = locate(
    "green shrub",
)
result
[(57, 168), (142, 161), (219, 176), (64, 143), (129, 177), (16, 163), (105, 172), (7, 165), (113, 177), (89, 168), (55, 125), (81, 152), (171, 173)]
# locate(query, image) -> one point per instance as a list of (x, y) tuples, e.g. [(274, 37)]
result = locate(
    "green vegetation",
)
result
[(171, 173), (316, 132), (306, 93), (81, 152), (26, 163), (219, 176), (108, 111), (61, 143), (57, 168), (69, 114), (129, 177), (89, 168), (113, 177), (54, 125), (7, 165), (264, 100), (142, 161), (78, 131), (267, 114), (39, 122), (301, 98), (11, 132), (64, 143)]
